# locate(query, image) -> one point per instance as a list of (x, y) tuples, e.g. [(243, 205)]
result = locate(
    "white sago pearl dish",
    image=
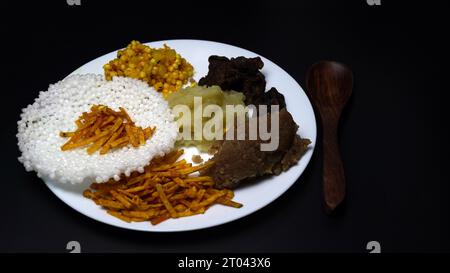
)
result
[(56, 110)]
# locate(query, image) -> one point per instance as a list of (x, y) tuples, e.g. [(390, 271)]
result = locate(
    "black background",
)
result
[(393, 137)]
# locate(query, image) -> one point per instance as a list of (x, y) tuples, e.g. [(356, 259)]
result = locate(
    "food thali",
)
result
[(156, 195)]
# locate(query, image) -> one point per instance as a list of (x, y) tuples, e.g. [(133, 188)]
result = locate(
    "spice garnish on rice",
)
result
[(166, 189), (104, 129)]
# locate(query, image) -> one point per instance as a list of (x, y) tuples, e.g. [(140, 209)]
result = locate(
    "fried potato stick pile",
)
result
[(167, 189), (105, 129)]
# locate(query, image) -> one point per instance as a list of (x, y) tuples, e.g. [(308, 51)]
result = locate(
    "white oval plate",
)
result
[(253, 197)]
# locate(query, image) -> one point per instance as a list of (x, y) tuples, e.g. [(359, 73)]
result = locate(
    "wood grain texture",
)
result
[(329, 86)]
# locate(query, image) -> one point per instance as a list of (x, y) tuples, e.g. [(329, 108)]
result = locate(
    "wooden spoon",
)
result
[(329, 85)]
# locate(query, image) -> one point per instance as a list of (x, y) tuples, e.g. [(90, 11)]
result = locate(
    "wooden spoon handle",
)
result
[(333, 170)]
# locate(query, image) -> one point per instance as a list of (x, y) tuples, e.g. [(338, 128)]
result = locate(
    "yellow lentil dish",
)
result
[(162, 68)]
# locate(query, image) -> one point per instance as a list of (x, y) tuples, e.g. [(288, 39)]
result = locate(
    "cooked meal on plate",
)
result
[(123, 134), (162, 68)]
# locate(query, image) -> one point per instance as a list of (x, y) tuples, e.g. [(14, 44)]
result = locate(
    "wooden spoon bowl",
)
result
[(329, 86)]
